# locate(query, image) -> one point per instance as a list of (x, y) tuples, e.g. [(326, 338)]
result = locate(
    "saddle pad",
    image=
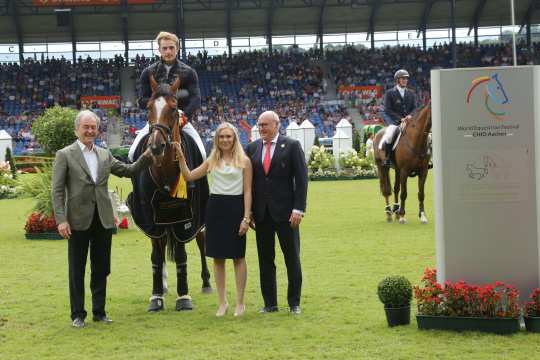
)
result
[(168, 210)]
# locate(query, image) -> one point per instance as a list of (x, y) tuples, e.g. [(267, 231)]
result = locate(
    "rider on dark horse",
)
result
[(162, 76), (165, 71), (399, 104)]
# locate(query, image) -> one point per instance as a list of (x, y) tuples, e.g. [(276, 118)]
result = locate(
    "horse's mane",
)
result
[(420, 109)]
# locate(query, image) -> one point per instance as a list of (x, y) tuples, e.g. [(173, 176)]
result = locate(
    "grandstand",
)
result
[(305, 59)]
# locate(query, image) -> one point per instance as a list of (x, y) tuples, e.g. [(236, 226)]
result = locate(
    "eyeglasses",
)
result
[(263, 125)]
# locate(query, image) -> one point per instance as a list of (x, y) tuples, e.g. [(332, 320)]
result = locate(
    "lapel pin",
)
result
[(282, 145)]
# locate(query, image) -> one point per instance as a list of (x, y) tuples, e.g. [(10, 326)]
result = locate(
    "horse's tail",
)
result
[(171, 244)]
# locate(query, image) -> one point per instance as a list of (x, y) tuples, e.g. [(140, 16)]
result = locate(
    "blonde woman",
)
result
[(228, 210)]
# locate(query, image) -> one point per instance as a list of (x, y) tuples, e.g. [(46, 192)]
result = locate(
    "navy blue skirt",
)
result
[(224, 213)]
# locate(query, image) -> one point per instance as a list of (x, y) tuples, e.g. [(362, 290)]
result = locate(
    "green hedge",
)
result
[(22, 162)]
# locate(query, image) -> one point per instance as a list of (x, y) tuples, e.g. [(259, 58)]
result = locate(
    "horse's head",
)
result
[(163, 117), (496, 90)]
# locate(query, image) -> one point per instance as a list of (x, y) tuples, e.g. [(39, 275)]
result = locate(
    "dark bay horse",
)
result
[(165, 207), (411, 158)]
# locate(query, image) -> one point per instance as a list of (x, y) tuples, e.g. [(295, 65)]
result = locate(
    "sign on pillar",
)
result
[(486, 131)]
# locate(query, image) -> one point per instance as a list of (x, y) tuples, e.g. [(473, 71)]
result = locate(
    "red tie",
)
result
[(267, 157)]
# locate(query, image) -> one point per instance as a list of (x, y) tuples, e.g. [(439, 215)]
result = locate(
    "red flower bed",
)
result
[(38, 223), (532, 308), (461, 299)]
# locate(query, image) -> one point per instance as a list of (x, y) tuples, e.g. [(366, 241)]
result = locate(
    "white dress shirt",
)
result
[(90, 156), (401, 91)]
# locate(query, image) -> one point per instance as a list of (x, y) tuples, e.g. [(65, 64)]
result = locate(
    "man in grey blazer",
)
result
[(84, 212)]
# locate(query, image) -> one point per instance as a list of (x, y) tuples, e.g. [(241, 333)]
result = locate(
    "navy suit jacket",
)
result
[(396, 107), (285, 186)]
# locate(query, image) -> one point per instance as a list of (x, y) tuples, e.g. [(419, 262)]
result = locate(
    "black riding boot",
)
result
[(388, 158)]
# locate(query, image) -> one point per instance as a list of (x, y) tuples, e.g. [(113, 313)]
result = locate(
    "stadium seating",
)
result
[(239, 88)]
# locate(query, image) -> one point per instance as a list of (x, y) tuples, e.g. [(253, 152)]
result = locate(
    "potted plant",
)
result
[(40, 224), (395, 292), (461, 306), (531, 314)]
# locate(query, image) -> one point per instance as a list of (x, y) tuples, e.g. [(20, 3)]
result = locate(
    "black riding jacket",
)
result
[(188, 94)]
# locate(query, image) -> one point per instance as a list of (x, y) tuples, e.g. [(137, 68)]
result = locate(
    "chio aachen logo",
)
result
[(493, 93)]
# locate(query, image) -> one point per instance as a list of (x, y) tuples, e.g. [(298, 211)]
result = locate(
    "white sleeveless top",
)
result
[(227, 180)]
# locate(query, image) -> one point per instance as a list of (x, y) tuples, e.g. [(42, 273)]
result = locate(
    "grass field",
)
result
[(347, 248)]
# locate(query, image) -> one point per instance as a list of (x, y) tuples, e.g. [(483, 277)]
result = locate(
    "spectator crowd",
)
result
[(238, 88)]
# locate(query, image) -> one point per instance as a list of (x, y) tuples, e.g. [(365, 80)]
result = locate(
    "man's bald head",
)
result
[(268, 124)]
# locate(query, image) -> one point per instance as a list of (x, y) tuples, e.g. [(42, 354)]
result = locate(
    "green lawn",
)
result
[(347, 248)]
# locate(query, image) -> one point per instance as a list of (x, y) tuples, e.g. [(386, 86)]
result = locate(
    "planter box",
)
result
[(532, 324), (43, 236), (455, 323)]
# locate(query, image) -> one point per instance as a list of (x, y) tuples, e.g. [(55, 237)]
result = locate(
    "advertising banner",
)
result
[(64, 3), (104, 102), (364, 92)]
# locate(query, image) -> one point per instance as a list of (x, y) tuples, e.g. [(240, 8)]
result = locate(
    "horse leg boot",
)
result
[(157, 302), (183, 301), (205, 273)]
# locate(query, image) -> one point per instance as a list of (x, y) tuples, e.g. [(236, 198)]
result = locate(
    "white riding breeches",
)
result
[(389, 135), (188, 129)]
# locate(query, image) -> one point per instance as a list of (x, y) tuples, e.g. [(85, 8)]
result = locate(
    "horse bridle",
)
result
[(164, 130)]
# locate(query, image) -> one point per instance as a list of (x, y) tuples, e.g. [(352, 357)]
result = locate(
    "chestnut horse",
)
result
[(165, 207), (411, 158)]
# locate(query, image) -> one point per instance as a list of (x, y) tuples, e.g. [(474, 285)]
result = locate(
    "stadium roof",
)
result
[(142, 19)]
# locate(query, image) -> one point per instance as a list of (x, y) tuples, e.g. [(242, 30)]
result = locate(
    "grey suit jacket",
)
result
[(74, 193)]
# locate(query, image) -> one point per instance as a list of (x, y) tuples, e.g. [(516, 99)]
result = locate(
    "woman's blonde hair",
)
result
[(238, 154), (164, 35)]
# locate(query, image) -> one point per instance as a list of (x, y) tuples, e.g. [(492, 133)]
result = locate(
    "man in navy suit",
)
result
[(279, 204), (399, 104)]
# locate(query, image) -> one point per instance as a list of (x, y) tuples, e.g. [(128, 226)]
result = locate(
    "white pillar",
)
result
[(255, 133), (307, 137), (293, 130), (341, 143), (345, 126)]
